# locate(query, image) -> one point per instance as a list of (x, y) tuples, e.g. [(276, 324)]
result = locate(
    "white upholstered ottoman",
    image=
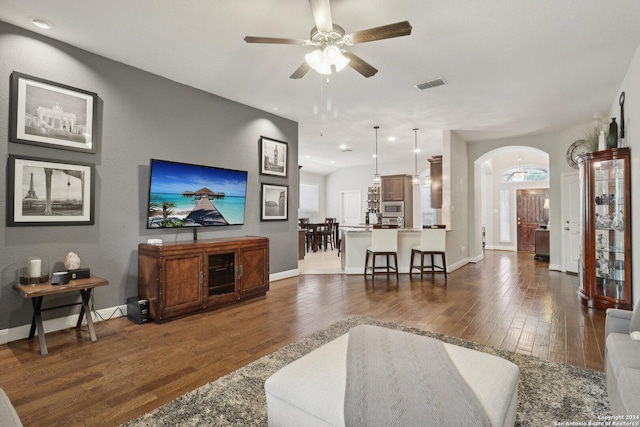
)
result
[(310, 391)]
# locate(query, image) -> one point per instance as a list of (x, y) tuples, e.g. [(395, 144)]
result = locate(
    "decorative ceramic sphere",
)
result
[(72, 261)]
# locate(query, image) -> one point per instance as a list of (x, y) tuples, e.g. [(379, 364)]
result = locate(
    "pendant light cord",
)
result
[(376, 128), (415, 152)]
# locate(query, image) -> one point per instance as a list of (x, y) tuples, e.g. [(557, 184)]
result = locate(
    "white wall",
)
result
[(631, 87), (455, 197)]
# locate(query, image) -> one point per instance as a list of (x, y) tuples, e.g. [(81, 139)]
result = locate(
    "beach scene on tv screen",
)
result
[(184, 195)]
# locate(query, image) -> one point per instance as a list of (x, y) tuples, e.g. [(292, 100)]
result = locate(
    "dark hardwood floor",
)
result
[(508, 301)]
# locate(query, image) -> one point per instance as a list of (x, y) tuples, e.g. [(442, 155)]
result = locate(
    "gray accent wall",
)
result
[(141, 116)]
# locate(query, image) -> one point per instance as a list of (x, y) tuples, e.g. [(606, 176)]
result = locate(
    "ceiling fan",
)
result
[(329, 40)]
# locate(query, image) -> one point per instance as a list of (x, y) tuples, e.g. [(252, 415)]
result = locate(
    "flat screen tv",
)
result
[(186, 195)]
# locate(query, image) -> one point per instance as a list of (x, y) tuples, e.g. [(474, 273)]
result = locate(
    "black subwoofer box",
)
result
[(137, 310)]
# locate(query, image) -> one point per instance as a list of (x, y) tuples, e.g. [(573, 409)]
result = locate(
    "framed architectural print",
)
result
[(275, 202), (49, 192), (273, 157), (52, 114)]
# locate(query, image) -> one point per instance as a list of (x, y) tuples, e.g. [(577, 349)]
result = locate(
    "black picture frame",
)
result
[(49, 192), (51, 114), (274, 157), (274, 202)]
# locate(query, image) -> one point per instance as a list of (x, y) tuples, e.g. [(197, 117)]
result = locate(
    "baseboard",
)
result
[(284, 275), (453, 267), (405, 270), (500, 248), (555, 267), (477, 259), (60, 323)]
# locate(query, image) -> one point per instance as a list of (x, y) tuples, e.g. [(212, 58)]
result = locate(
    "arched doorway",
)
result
[(514, 184)]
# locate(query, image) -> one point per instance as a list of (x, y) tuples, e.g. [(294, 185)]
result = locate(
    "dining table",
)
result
[(314, 229)]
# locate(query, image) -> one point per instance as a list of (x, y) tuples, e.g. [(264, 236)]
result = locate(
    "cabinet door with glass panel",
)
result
[(605, 271)]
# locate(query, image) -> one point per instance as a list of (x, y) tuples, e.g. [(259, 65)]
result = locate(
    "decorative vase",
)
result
[(612, 141)]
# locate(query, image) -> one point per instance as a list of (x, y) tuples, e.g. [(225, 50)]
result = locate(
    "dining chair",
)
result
[(384, 242), (303, 223), (328, 232), (433, 241)]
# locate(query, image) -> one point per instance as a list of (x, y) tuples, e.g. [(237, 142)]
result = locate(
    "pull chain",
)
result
[(321, 107)]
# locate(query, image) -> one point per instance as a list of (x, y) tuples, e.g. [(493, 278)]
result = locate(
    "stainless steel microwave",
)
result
[(392, 209)]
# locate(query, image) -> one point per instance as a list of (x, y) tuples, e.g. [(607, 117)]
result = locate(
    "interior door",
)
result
[(531, 214), (571, 221), (351, 207)]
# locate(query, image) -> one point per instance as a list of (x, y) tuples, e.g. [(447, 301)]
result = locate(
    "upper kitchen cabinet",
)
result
[(395, 187)]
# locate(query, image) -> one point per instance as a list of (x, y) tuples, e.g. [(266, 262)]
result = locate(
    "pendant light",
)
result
[(376, 177), (416, 178)]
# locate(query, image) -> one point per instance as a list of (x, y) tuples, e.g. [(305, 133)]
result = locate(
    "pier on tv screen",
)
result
[(187, 195)]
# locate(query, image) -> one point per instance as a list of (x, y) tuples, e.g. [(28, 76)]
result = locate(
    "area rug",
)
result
[(549, 393)]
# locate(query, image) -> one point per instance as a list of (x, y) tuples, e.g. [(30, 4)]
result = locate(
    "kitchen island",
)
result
[(356, 238)]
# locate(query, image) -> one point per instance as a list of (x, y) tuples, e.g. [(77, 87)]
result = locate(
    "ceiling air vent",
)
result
[(429, 85)]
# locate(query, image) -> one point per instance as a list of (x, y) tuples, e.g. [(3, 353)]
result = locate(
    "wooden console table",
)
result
[(182, 278), (38, 292)]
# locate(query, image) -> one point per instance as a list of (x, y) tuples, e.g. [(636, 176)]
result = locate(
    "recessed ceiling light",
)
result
[(392, 138), (374, 155), (40, 23), (343, 146), (307, 156), (276, 109), (332, 162)]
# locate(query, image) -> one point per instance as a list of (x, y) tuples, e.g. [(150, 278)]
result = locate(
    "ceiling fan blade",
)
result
[(360, 65), (301, 71), (398, 29), (322, 15), (273, 40)]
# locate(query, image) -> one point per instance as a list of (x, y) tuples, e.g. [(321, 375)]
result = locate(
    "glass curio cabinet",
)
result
[(605, 258)]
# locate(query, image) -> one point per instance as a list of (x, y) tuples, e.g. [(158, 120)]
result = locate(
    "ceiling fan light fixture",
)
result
[(341, 62), (314, 58), (316, 61), (330, 54)]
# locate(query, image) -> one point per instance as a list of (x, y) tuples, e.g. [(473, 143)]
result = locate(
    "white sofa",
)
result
[(310, 391), (8, 415), (622, 361)]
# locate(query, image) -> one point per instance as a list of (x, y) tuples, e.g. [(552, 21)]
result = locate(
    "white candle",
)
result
[(35, 266)]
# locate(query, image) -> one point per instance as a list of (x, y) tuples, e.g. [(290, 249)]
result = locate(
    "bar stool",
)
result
[(384, 242), (432, 242)]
